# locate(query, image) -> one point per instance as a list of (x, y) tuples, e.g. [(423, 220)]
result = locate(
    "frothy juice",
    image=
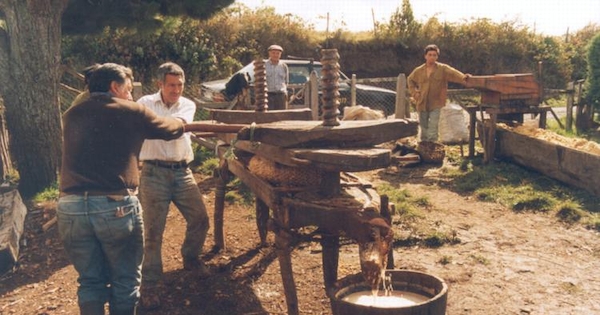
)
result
[(392, 300)]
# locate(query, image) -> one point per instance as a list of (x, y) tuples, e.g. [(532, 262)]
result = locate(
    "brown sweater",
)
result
[(434, 87), (102, 137)]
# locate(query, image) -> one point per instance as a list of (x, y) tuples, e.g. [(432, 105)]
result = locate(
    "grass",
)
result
[(445, 260), (49, 194), (522, 190), (238, 193), (480, 259), (510, 185), (407, 206), (408, 217)]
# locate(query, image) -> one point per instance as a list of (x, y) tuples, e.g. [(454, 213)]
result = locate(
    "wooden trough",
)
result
[(565, 164)]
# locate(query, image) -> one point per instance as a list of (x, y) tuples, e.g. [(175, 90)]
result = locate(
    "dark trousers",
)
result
[(277, 100)]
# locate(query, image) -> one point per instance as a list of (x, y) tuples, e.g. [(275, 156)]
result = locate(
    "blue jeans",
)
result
[(159, 187), (104, 240), (429, 121)]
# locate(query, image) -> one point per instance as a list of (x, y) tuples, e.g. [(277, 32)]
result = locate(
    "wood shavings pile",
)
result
[(543, 134)]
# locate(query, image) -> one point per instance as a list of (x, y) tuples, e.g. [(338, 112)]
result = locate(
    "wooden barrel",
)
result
[(402, 280)]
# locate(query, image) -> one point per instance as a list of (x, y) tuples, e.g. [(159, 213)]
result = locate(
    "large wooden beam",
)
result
[(355, 133), (348, 159)]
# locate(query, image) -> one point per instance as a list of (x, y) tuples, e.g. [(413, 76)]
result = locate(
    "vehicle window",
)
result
[(298, 74)]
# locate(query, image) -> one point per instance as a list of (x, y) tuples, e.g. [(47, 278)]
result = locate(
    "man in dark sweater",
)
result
[(99, 215)]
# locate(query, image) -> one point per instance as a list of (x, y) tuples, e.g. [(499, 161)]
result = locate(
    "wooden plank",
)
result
[(355, 133), (248, 117), (12, 222), (271, 152), (345, 159), (212, 127), (505, 83), (570, 166), (517, 110)]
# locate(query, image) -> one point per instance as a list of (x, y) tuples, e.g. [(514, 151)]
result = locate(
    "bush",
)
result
[(593, 83)]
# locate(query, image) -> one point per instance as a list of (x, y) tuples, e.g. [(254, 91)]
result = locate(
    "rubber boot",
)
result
[(91, 308)]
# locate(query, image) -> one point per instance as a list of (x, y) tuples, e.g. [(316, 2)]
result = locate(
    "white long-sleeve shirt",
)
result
[(175, 150)]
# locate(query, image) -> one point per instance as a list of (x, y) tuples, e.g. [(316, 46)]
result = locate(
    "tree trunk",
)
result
[(30, 92), (7, 167)]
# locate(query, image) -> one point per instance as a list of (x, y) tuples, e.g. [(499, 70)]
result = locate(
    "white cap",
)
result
[(275, 47)]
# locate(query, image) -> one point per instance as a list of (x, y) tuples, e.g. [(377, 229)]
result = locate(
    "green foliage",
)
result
[(242, 35), (534, 202), (576, 50), (520, 189), (595, 223), (438, 239), (208, 166), (216, 47), (445, 260), (402, 26), (593, 83), (570, 212), (556, 68), (239, 193), (480, 259), (85, 17), (406, 204), (180, 40), (49, 194)]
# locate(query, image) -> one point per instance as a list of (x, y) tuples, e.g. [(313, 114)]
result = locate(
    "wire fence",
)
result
[(383, 100), (375, 93)]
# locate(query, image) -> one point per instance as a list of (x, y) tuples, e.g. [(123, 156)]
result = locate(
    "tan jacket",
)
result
[(433, 89)]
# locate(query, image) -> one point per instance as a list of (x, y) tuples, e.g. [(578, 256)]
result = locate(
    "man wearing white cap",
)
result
[(277, 79)]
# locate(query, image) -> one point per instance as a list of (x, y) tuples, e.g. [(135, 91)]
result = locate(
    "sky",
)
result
[(548, 17)]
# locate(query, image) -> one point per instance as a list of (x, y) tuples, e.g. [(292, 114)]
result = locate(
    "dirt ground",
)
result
[(505, 262)]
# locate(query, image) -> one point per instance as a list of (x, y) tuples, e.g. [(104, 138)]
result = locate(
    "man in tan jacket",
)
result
[(428, 86)]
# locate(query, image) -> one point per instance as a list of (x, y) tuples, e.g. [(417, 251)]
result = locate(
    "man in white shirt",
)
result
[(166, 178), (277, 79)]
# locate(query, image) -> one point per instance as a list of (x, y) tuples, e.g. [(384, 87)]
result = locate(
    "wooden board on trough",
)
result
[(501, 88), (356, 133), (568, 165), (522, 83)]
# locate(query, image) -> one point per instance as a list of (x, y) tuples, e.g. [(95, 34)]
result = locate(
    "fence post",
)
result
[(570, 100), (314, 95), (402, 110), (138, 92), (353, 90), (307, 94)]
